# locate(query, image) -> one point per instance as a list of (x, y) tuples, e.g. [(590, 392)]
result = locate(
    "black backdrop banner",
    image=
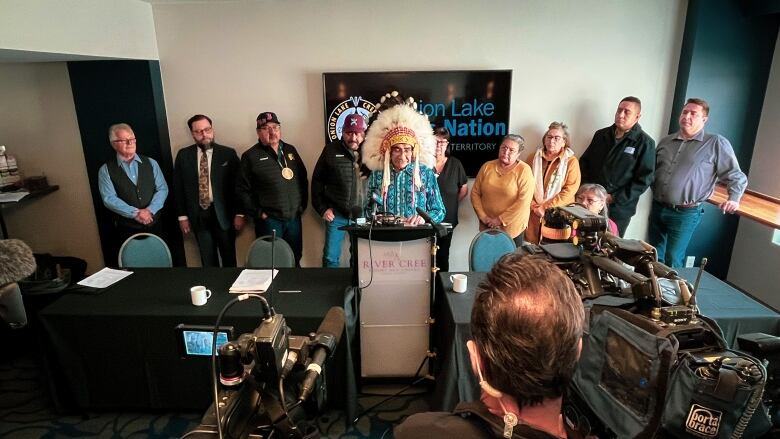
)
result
[(473, 105)]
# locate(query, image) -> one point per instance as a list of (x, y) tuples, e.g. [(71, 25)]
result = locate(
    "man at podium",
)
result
[(399, 150)]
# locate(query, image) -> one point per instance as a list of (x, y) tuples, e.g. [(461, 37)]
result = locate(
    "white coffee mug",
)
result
[(199, 295), (459, 282)]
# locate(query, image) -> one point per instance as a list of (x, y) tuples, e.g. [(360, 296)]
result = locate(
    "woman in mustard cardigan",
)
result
[(503, 190), (556, 173)]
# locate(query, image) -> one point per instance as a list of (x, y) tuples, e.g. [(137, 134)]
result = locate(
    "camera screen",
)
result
[(199, 342)]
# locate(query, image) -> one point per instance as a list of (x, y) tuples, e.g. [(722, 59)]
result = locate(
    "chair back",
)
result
[(11, 306), (144, 250), (259, 254), (488, 247)]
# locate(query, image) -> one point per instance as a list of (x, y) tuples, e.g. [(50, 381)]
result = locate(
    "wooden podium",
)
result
[(392, 269)]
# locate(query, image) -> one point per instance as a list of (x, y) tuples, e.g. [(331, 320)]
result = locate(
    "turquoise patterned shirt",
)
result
[(399, 193)]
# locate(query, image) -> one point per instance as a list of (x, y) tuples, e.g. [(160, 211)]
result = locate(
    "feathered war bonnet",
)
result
[(399, 123)]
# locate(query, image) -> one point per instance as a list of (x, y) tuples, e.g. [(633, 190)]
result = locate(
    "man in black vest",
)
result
[(273, 186), (131, 186), (204, 184)]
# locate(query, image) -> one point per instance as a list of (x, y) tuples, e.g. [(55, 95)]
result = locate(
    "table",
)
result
[(118, 350), (734, 312)]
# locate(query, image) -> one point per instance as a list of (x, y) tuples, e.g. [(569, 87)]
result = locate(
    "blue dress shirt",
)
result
[(119, 206)]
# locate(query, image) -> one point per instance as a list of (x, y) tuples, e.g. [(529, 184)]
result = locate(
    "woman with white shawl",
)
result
[(556, 173)]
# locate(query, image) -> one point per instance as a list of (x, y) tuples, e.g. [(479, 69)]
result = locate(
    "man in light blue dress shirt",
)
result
[(131, 186)]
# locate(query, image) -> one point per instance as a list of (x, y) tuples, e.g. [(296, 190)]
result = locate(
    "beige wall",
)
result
[(108, 28), (38, 125), (755, 260), (572, 61)]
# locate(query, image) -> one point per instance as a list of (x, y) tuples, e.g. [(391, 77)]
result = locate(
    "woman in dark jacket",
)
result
[(452, 185)]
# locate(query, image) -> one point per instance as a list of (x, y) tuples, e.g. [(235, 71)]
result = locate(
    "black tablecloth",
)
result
[(118, 349), (734, 312)]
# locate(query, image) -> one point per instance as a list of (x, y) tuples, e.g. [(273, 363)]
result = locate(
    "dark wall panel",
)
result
[(725, 59), (109, 92)]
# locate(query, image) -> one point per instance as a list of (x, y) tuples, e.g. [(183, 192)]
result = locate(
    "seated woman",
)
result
[(594, 198), (556, 176), (399, 150), (503, 190)]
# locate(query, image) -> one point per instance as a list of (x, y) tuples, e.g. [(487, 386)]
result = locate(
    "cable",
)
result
[(417, 379)]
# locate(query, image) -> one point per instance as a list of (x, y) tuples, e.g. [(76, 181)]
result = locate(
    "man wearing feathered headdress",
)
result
[(399, 150)]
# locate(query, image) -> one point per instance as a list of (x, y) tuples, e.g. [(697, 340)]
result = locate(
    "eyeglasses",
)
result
[(203, 131), (556, 138), (510, 150), (584, 200), (124, 141), (397, 150), (444, 141)]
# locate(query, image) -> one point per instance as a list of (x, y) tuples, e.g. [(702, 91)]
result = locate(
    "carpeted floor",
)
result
[(26, 411)]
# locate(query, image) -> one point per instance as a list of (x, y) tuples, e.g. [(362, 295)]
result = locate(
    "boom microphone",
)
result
[(325, 342), (16, 261)]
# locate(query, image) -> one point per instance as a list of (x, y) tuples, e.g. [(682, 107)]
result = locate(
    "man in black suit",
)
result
[(205, 181)]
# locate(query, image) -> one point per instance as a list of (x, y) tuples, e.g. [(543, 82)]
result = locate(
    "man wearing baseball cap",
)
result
[(336, 185), (273, 185)]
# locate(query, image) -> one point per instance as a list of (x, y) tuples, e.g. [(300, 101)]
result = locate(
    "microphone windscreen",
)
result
[(333, 323), (16, 261)]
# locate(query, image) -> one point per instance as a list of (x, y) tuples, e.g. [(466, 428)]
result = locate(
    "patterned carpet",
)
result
[(26, 410)]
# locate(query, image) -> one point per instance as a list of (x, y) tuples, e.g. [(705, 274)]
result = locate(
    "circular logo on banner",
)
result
[(347, 107)]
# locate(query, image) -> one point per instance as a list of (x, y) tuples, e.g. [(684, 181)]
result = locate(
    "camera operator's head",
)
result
[(526, 326)]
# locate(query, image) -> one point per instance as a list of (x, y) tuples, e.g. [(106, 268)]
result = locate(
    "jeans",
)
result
[(671, 230), (289, 230), (333, 239)]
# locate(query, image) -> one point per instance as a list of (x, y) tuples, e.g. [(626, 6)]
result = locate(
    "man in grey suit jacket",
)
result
[(204, 183)]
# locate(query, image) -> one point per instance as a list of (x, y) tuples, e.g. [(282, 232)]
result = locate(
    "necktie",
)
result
[(203, 180)]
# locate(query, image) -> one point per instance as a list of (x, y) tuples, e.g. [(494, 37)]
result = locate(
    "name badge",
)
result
[(629, 150), (339, 155)]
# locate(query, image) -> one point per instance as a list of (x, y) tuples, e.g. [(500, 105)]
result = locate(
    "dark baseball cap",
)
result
[(354, 123), (266, 117)]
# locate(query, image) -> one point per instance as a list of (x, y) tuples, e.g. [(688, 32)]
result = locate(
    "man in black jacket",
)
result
[(273, 186), (335, 185), (526, 328), (621, 158), (204, 183)]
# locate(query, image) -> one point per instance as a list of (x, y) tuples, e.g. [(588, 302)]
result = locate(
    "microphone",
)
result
[(440, 229), (325, 342), (16, 261)]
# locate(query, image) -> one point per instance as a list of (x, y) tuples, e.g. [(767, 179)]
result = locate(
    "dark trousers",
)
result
[(443, 254), (289, 230), (671, 230), (621, 223), (213, 241)]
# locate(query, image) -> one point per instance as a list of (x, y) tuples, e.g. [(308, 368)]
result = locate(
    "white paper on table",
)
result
[(105, 278), (12, 197), (252, 281)]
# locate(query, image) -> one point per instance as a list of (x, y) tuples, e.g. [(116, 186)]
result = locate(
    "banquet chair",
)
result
[(259, 253), (487, 247), (144, 250)]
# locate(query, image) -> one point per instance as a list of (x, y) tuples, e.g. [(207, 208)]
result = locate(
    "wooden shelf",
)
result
[(753, 205)]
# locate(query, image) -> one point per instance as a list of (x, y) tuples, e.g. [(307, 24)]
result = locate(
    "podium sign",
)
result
[(395, 303)]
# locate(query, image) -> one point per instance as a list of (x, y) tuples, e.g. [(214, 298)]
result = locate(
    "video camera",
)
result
[(259, 373), (651, 365)]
